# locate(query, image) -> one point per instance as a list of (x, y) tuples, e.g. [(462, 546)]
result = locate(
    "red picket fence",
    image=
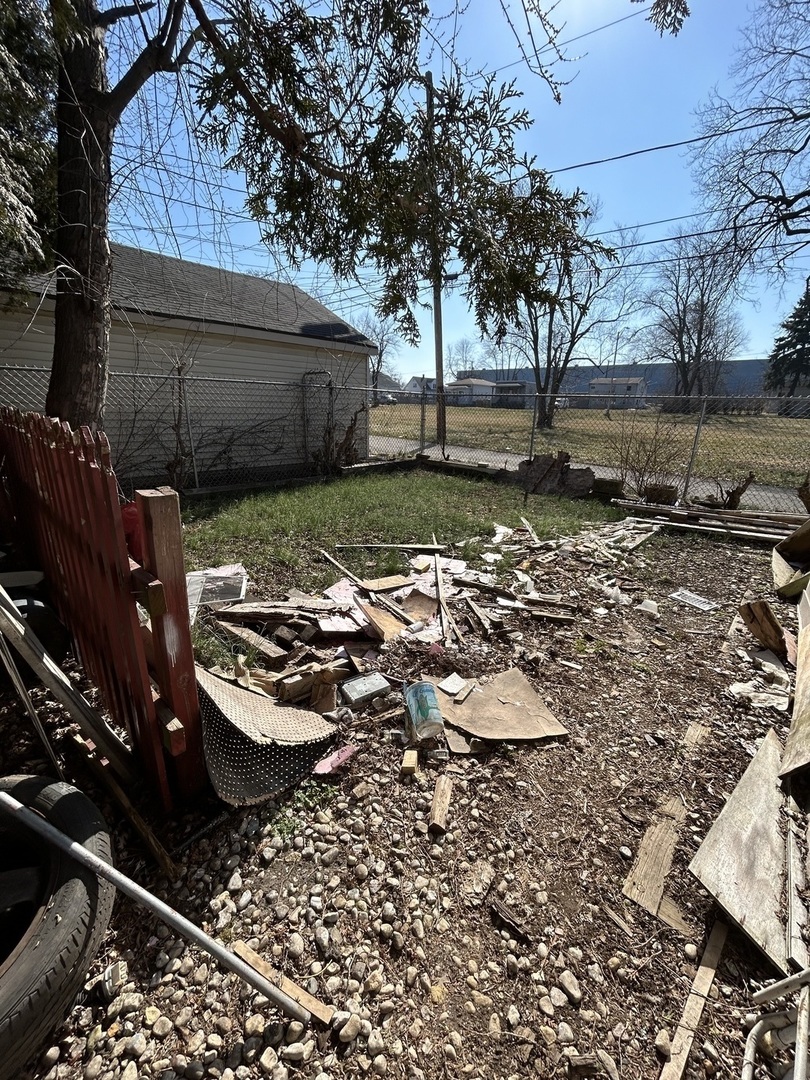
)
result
[(66, 511)]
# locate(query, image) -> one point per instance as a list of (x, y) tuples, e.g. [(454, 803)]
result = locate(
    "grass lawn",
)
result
[(775, 448), (277, 534)]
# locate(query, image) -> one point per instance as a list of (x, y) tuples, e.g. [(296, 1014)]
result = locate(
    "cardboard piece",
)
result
[(505, 710)]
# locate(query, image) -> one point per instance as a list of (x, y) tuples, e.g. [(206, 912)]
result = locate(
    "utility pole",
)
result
[(436, 270)]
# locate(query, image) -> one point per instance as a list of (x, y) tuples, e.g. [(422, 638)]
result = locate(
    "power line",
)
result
[(662, 146)]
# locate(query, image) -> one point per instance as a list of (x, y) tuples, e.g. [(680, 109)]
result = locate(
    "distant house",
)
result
[(470, 392), (216, 377), (419, 385), (514, 395), (616, 393)]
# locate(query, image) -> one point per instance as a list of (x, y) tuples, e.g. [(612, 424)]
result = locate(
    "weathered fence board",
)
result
[(65, 509)]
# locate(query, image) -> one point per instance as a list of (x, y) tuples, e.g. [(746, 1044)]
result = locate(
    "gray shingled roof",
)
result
[(163, 286)]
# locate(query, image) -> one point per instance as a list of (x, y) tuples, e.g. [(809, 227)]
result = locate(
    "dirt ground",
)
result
[(342, 885)]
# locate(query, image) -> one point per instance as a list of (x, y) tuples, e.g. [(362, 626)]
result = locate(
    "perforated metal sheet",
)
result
[(256, 748)]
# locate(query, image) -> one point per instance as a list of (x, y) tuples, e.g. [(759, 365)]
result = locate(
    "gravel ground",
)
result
[(342, 886)]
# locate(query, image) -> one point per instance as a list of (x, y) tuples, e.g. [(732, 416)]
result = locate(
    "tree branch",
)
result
[(105, 19)]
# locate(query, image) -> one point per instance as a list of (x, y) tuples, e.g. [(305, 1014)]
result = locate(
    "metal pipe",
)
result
[(190, 433), (140, 895), (765, 1023), (802, 1035), (695, 445), (782, 988)]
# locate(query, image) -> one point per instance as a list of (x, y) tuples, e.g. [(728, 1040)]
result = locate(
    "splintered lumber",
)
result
[(741, 862), (797, 746), (384, 601), (386, 584), (796, 911), (481, 615), (274, 656), (645, 882), (758, 616), (448, 622), (510, 919), (428, 549), (535, 539), (441, 804), (387, 626), (318, 1008), (693, 1009), (260, 611)]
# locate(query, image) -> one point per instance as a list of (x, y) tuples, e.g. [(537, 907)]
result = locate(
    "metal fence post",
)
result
[(534, 427), (695, 445), (423, 421), (190, 435)]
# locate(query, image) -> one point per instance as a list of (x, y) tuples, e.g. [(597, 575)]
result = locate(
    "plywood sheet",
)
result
[(742, 860), (506, 710)]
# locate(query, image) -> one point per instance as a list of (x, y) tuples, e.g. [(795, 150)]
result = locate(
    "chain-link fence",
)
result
[(194, 432), (668, 447)]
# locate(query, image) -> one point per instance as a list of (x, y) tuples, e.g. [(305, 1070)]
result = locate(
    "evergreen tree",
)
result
[(789, 363)]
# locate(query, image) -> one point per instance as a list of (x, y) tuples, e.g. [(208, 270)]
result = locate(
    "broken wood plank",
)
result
[(492, 590), (173, 734), (386, 584), (441, 804), (318, 1008), (426, 548), (395, 609), (276, 610), (388, 626), (797, 745), (272, 654), (758, 616), (535, 539), (617, 920), (481, 615), (795, 946), (645, 882), (671, 914), (693, 1009), (410, 762), (695, 734), (742, 859)]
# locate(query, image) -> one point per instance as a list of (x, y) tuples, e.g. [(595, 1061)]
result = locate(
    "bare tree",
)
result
[(692, 321), (463, 358), (754, 167), (589, 293), (383, 332)]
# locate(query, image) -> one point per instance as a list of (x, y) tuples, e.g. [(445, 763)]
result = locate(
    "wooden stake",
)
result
[(381, 599), (319, 1010), (441, 804), (693, 1009)]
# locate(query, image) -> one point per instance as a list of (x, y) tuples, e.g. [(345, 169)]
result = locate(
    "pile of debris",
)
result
[(329, 657)]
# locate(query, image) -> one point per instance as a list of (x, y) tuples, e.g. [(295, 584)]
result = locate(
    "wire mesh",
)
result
[(196, 432)]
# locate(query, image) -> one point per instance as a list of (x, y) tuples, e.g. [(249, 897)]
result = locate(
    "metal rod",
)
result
[(695, 445), (534, 427), (802, 1035), (25, 697), (140, 895), (763, 1024), (422, 419), (782, 988)]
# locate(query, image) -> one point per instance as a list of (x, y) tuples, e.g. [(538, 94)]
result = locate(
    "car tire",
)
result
[(53, 915)]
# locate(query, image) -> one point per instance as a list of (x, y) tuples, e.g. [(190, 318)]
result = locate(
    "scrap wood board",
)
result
[(506, 710), (321, 1011), (797, 746), (387, 626), (645, 882), (742, 859), (693, 1009)]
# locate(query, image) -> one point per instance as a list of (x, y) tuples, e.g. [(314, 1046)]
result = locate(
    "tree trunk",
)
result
[(78, 383)]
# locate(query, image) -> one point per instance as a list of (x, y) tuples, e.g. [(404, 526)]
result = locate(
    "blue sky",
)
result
[(628, 89)]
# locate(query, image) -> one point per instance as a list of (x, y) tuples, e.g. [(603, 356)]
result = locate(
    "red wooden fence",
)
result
[(66, 511)]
